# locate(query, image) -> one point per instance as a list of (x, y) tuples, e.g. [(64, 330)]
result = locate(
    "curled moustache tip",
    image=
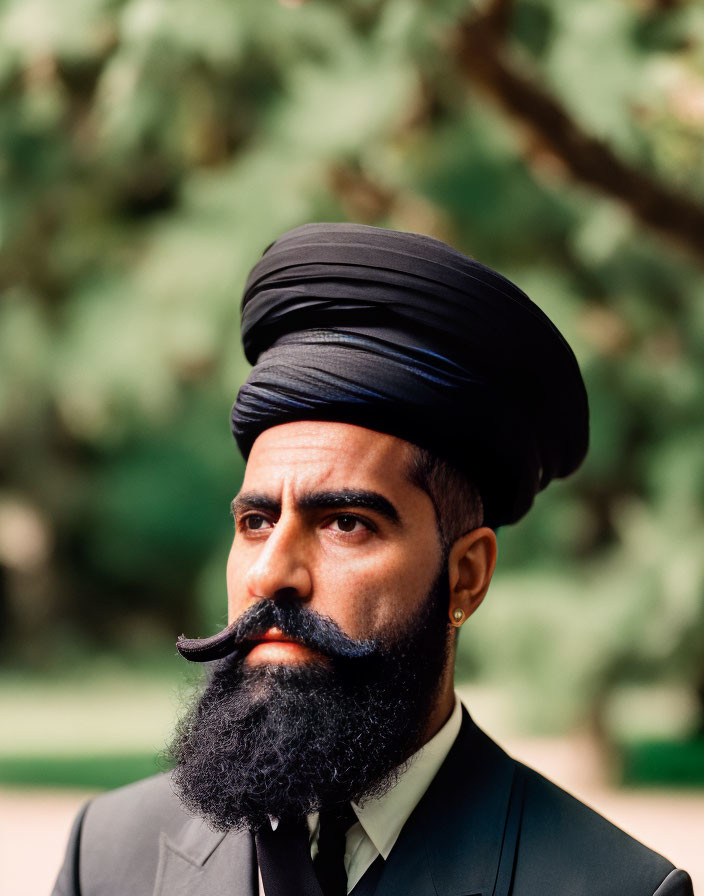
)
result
[(204, 650)]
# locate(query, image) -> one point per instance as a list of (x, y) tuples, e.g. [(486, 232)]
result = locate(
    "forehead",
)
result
[(311, 454)]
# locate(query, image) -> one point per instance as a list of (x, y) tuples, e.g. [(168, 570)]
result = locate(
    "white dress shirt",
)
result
[(379, 821)]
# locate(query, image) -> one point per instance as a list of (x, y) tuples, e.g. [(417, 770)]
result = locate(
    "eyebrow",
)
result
[(340, 499)]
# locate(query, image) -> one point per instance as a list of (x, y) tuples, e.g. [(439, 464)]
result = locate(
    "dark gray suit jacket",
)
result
[(487, 826)]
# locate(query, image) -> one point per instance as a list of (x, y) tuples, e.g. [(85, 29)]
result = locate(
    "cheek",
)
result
[(232, 577), (366, 598)]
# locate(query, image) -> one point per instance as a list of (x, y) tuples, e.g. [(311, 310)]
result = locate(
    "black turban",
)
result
[(402, 334)]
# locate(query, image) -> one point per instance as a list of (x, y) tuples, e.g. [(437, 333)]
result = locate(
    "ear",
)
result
[(470, 566)]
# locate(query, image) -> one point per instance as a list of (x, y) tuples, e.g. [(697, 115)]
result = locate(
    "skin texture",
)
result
[(353, 563)]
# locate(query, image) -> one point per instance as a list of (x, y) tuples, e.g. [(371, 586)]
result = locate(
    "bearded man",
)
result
[(405, 401)]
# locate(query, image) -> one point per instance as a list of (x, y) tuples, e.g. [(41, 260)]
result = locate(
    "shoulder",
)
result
[(147, 804), (139, 840), (122, 834), (567, 847)]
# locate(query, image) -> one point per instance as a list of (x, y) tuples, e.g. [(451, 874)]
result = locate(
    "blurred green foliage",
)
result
[(150, 150)]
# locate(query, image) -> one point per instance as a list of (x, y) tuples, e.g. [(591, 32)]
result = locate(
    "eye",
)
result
[(348, 523), (255, 522)]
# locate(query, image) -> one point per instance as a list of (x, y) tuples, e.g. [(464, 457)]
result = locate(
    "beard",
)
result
[(288, 740)]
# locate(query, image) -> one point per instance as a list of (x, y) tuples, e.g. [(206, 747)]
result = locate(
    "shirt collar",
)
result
[(384, 817)]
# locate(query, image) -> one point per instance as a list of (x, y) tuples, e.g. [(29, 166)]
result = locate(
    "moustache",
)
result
[(311, 629)]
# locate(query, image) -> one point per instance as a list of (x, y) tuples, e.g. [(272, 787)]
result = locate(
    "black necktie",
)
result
[(330, 862), (284, 858)]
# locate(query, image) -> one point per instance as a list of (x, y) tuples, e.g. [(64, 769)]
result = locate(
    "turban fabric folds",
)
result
[(402, 334)]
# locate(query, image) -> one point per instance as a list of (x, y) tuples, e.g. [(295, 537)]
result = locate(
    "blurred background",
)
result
[(149, 151)]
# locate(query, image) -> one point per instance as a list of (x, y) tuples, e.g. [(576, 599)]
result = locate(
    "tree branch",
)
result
[(481, 56)]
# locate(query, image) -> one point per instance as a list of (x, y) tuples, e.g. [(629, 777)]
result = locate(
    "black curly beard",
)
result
[(287, 740)]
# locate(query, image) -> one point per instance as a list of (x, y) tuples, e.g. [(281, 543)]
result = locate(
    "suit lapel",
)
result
[(200, 862), (452, 843)]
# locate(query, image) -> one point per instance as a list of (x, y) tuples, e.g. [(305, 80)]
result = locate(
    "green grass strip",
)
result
[(663, 763), (101, 772)]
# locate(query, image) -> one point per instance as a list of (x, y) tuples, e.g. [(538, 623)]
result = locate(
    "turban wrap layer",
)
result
[(402, 334)]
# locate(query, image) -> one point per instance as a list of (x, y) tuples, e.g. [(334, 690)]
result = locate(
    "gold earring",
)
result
[(457, 617)]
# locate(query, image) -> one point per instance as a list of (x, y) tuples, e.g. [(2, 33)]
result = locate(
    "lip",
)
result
[(274, 646), (274, 635)]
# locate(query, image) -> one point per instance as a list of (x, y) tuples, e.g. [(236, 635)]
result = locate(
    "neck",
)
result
[(442, 708)]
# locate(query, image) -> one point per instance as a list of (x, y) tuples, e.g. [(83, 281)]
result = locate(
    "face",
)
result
[(341, 664), (327, 517)]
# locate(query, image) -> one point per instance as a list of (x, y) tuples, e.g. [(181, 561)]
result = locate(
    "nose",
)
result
[(281, 568)]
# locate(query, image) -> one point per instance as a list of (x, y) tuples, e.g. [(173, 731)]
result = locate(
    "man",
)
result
[(405, 401)]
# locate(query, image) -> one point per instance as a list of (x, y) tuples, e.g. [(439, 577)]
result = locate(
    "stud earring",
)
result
[(457, 617)]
